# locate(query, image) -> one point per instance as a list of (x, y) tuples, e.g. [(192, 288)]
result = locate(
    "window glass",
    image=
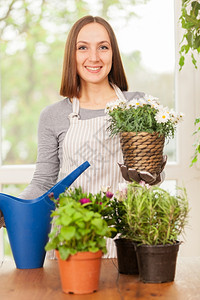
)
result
[(170, 186)]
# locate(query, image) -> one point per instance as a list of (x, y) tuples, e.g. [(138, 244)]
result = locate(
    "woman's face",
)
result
[(93, 54)]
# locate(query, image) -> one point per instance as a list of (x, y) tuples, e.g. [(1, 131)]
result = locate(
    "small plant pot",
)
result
[(157, 263), (80, 272), (126, 256)]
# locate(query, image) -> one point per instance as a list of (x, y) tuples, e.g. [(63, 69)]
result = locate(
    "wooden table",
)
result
[(44, 283)]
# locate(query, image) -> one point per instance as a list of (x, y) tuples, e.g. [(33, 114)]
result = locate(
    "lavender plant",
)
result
[(154, 216)]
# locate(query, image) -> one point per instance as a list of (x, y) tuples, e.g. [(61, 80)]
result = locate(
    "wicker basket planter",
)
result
[(142, 151)]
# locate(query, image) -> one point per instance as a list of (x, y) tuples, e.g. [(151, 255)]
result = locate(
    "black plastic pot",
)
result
[(126, 256), (157, 263)]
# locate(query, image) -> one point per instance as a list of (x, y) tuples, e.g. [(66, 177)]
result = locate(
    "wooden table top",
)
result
[(44, 283)]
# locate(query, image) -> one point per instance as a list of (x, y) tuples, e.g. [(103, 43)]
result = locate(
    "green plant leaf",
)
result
[(181, 61), (67, 232), (64, 252), (97, 223), (64, 220)]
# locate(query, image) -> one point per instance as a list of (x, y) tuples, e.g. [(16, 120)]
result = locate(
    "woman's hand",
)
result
[(130, 174), (1, 219)]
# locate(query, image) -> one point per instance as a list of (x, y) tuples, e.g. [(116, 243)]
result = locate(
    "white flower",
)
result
[(122, 187), (151, 99), (162, 116), (155, 105), (136, 103), (121, 193), (181, 116), (142, 102), (176, 117), (105, 189), (119, 103), (133, 103)]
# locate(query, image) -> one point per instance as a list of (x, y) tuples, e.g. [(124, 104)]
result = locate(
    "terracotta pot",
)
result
[(157, 263), (80, 272)]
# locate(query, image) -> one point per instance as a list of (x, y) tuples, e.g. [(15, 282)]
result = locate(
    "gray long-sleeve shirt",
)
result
[(53, 126)]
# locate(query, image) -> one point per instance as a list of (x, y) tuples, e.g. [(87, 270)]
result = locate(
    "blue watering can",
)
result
[(28, 222)]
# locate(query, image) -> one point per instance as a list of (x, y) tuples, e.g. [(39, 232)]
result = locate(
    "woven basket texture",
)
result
[(142, 151)]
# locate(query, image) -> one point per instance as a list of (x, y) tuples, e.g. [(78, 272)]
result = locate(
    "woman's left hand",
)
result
[(1, 219), (130, 174)]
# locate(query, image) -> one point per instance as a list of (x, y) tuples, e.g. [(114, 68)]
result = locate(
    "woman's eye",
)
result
[(103, 47), (81, 47)]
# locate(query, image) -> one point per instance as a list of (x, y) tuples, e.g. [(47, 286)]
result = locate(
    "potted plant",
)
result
[(156, 219), (126, 254), (143, 125), (78, 236), (190, 22)]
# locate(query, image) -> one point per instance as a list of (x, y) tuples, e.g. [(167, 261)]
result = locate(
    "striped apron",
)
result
[(89, 140)]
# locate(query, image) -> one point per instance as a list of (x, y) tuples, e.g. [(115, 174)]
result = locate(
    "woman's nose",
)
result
[(93, 55)]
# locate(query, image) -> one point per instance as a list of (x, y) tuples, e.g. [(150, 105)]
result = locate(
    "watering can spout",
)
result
[(28, 222), (68, 180)]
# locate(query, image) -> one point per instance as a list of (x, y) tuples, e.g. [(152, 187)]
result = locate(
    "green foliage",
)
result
[(138, 120), (197, 143), (94, 202), (77, 227), (190, 21), (119, 220), (127, 117), (154, 216)]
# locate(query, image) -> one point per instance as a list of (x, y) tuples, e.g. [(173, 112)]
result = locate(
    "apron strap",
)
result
[(118, 92), (75, 109), (75, 102)]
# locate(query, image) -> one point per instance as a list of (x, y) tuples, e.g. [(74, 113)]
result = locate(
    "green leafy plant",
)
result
[(197, 143), (144, 114), (98, 202), (154, 216), (76, 227), (190, 22), (117, 213)]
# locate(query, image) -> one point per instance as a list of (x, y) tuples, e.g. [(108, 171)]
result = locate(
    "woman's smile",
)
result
[(93, 69)]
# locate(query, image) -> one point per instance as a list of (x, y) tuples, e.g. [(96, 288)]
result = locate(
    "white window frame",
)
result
[(187, 100)]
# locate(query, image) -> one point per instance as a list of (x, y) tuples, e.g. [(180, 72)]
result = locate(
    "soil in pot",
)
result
[(126, 256), (157, 263)]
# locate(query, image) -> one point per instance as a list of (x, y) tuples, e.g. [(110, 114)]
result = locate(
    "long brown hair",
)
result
[(70, 82)]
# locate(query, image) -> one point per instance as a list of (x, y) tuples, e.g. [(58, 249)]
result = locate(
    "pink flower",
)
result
[(51, 195), (84, 200), (109, 194), (144, 184)]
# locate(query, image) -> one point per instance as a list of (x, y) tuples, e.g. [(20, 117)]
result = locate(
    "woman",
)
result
[(73, 130)]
